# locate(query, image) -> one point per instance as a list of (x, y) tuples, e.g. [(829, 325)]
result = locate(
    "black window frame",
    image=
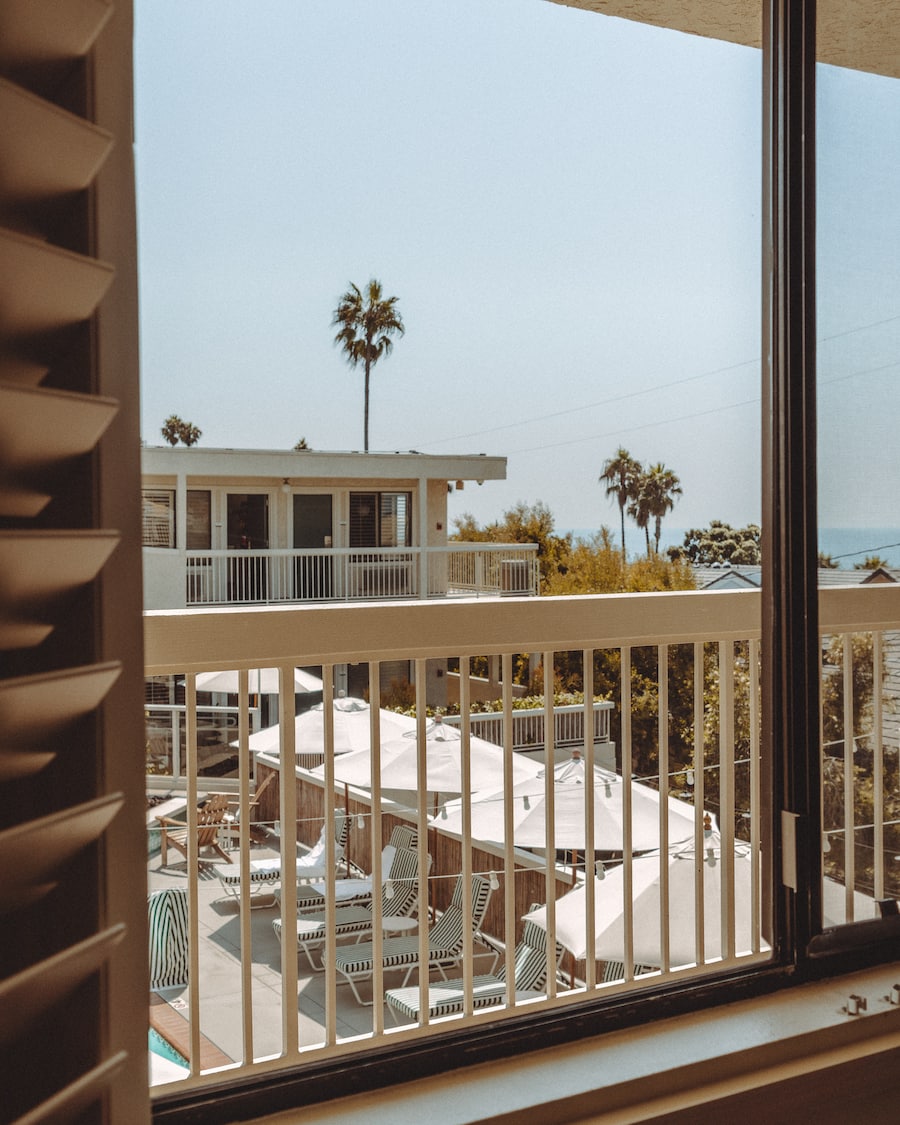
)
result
[(790, 767)]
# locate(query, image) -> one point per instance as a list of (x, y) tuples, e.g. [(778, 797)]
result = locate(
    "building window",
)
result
[(380, 519), (199, 520), (158, 517)]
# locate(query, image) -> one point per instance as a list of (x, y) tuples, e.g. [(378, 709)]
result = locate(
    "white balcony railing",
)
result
[(682, 673), (529, 725), (352, 574)]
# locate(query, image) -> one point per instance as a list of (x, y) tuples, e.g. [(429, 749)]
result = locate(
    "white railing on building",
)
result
[(529, 725), (351, 574), (716, 639)]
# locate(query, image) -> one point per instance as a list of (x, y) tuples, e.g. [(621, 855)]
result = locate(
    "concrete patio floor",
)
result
[(221, 1021)]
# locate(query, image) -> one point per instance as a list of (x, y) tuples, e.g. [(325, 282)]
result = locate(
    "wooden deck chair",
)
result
[(446, 941), (448, 997), (210, 822), (399, 899), (233, 816)]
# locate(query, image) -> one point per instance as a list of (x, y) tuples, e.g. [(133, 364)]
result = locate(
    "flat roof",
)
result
[(315, 464)]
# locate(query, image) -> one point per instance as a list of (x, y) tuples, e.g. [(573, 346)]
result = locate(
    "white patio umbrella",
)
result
[(443, 743), (609, 907), (530, 812), (262, 681), (351, 728)]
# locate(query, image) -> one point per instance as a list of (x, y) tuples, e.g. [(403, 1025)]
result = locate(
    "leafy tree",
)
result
[(720, 543), (659, 488), (366, 324), (301, 446), (826, 562), (593, 566), (871, 562), (523, 523), (174, 430), (621, 475)]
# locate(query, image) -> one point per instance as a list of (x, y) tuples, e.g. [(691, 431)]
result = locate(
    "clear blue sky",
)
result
[(567, 206)]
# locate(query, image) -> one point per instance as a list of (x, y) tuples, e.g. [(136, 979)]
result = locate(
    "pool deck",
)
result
[(221, 1019)]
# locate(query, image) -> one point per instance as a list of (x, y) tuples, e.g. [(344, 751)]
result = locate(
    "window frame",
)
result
[(157, 496), (790, 762)]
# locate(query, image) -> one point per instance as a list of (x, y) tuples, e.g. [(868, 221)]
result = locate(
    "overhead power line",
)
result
[(624, 397)]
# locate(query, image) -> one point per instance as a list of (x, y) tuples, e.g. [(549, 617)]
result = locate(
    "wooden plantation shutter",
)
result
[(73, 983)]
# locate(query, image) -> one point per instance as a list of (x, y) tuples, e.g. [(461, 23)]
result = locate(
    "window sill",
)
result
[(676, 1065)]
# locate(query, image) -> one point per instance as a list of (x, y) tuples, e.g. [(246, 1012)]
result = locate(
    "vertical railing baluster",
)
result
[(726, 794), (699, 760), (550, 810), (627, 852), (244, 861), (509, 883), (878, 760), (422, 823), (329, 798), (378, 875), (193, 866), (288, 851), (849, 787), (755, 835), (465, 754), (662, 718), (590, 789)]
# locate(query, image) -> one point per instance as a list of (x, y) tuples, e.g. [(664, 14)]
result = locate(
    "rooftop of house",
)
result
[(750, 577), (292, 464)]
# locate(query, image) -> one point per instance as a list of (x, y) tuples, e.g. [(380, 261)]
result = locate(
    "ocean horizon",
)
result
[(846, 545)]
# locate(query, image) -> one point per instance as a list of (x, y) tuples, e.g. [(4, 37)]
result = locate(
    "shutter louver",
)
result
[(66, 787)]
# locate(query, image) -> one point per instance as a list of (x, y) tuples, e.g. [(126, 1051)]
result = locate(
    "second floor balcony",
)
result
[(673, 855), (177, 579)]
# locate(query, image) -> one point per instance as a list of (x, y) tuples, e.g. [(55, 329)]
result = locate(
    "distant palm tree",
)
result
[(659, 487), (367, 323), (639, 511), (621, 475)]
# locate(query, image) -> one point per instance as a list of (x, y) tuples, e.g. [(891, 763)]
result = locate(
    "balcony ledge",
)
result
[(788, 1053)]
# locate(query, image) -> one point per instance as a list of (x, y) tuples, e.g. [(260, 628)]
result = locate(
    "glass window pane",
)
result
[(158, 506), (199, 525), (858, 345)]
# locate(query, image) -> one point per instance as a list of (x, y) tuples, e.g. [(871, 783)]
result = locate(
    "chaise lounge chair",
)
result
[(399, 898), (265, 873), (446, 940), (448, 997), (357, 891)]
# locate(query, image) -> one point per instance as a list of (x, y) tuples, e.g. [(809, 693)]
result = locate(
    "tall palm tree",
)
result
[(621, 475), (367, 323), (659, 489), (639, 510)]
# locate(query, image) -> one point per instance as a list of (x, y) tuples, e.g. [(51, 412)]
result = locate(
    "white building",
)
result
[(234, 526)]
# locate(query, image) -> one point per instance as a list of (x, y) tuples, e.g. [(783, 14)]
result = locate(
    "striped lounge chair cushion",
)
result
[(347, 920), (445, 938), (447, 997), (530, 966), (167, 916), (399, 896)]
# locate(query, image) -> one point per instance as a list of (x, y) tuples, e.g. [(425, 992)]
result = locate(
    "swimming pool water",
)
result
[(164, 1048)]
